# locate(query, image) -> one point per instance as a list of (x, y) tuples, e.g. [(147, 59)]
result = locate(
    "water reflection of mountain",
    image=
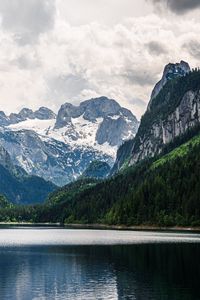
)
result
[(138, 272)]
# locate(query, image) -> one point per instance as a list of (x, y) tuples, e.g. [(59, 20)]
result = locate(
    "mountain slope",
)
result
[(123, 156), (171, 71), (24, 190), (173, 111), (18, 186), (170, 112), (161, 187), (97, 169), (162, 191), (60, 147)]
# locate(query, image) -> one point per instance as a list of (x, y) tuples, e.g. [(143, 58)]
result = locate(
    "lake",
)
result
[(52, 263)]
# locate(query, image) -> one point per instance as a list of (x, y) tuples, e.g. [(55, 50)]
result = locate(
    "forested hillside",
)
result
[(161, 191)]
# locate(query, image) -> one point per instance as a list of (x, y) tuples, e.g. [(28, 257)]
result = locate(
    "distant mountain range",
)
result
[(59, 147), (156, 174)]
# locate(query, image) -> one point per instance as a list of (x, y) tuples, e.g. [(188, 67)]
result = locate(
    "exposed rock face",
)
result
[(154, 130), (65, 113), (97, 169), (43, 113), (123, 155), (5, 159), (60, 148), (4, 120), (117, 124), (18, 186), (50, 159), (162, 131), (171, 71), (99, 108), (90, 109), (111, 131)]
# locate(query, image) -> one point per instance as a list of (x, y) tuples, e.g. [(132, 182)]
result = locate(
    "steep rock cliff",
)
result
[(173, 111)]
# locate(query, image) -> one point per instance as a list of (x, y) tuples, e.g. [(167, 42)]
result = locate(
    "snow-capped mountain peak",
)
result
[(59, 147)]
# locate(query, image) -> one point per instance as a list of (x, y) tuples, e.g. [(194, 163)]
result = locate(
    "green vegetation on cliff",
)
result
[(97, 169), (167, 101), (163, 191)]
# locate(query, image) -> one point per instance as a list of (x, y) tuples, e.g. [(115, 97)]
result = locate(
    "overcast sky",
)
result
[(56, 51)]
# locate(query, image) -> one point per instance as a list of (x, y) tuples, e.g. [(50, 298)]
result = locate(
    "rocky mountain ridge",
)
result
[(43, 113), (173, 109), (171, 71), (60, 147), (172, 112), (18, 186)]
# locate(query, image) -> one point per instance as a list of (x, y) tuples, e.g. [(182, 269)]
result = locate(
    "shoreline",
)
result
[(103, 226), (132, 228)]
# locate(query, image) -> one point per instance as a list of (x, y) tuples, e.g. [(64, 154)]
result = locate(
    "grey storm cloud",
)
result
[(156, 48), (178, 6), (67, 86), (23, 62), (193, 47), (27, 19), (139, 77), (137, 101)]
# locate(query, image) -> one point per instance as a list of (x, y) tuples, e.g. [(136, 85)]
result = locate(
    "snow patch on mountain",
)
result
[(59, 147), (37, 125), (78, 133)]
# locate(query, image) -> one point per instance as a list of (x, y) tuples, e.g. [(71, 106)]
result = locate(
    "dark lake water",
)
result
[(98, 264)]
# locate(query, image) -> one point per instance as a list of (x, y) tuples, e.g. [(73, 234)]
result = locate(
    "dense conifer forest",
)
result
[(163, 191)]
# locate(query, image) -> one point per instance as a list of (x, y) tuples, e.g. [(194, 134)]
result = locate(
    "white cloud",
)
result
[(122, 60), (79, 12), (176, 6), (26, 20)]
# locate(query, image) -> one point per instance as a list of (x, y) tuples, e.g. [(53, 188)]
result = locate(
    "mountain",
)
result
[(42, 113), (174, 107), (97, 122), (123, 156), (17, 186), (60, 147), (172, 112), (97, 169), (69, 191), (158, 183), (162, 191), (152, 192), (171, 71)]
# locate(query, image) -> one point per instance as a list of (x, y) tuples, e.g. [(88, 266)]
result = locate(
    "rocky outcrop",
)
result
[(4, 120), (5, 159), (50, 159), (117, 123), (99, 108), (170, 72), (18, 186), (97, 169), (90, 109), (111, 131), (65, 113), (123, 156), (164, 130), (59, 148), (43, 113)]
